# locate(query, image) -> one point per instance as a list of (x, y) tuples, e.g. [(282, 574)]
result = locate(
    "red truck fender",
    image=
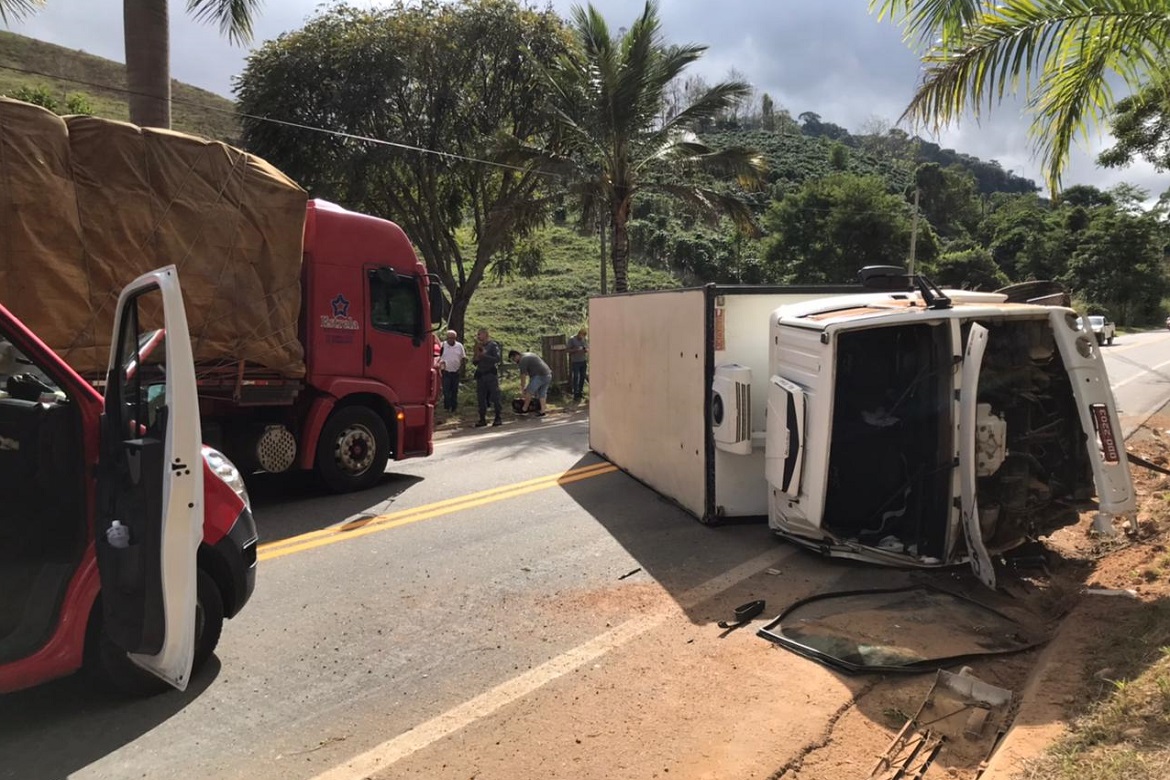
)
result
[(337, 391)]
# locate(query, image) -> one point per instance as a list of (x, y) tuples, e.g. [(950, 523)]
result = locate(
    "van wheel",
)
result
[(353, 450), (113, 670)]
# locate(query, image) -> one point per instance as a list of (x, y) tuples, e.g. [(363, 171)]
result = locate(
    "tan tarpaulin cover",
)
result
[(87, 205)]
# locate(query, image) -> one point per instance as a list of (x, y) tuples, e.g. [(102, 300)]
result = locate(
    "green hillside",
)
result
[(193, 110), (518, 311)]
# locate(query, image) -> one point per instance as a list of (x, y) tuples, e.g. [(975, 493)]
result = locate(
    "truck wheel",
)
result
[(1109, 341), (114, 671), (353, 449)]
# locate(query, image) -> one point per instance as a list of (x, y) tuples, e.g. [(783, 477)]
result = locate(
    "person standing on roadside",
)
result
[(538, 376), (487, 380), (451, 361), (578, 363)]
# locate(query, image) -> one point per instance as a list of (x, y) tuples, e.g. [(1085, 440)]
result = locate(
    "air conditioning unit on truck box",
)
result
[(310, 324), (909, 427)]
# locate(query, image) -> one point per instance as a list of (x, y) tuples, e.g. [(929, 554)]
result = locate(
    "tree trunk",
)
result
[(148, 67), (620, 250), (456, 319)]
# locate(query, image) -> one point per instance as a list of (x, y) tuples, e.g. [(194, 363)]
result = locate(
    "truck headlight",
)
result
[(227, 471)]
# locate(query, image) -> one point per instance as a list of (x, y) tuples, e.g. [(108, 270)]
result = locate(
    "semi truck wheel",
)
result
[(353, 449), (114, 671)]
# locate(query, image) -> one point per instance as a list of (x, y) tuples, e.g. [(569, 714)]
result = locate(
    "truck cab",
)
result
[(141, 607), (369, 348), (918, 429)]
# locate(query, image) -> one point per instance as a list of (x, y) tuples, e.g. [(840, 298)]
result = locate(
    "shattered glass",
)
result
[(915, 629)]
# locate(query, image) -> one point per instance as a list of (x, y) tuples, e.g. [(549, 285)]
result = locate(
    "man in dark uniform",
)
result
[(487, 380)]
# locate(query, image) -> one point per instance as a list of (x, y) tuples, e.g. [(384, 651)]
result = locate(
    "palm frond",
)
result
[(711, 204), (18, 9), (1073, 44), (925, 21), (234, 17)]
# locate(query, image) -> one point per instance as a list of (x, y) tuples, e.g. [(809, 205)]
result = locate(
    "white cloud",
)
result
[(826, 56)]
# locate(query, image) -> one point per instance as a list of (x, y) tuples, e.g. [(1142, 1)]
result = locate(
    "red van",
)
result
[(145, 601)]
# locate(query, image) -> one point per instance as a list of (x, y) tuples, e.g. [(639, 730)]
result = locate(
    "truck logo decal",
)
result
[(340, 319)]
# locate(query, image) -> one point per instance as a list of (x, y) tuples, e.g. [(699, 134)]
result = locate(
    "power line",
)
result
[(286, 123)]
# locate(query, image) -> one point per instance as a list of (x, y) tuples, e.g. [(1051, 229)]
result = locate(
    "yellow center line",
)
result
[(363, 526)]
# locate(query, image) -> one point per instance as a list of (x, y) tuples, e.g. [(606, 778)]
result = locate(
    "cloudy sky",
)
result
[(827, 56)]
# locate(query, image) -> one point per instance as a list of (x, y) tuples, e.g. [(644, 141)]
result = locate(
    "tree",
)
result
[(1064, 52), (609, 143), (447, 77), (1117, 266), (967, 269), (833, 226), (145, 28), (1141, 125), (947, 198)]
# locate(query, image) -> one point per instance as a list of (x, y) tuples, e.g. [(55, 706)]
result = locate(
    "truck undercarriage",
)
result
[(893, 455)]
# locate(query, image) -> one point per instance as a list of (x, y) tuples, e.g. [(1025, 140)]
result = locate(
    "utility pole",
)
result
[(601, 234), (914, 231)]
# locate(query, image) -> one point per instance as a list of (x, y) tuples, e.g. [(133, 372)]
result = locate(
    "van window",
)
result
[(395, 302)]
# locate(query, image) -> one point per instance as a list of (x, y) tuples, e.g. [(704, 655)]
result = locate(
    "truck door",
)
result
[(150, 481), (968, 396), (784, 445), (397, 350)]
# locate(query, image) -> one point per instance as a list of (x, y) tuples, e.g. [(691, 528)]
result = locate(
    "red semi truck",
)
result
[(370, 383), (310, 325)]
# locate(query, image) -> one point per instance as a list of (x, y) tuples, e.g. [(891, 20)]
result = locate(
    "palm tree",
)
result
[(1063, 52), (612, 140), (148, 68), (148, 58)]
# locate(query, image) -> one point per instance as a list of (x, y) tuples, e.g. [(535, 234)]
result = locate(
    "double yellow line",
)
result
[(369, 525)]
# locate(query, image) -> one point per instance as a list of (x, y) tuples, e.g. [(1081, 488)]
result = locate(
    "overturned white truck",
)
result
[(907, 426)]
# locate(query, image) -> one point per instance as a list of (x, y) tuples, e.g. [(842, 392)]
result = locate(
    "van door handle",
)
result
[(369, 354)]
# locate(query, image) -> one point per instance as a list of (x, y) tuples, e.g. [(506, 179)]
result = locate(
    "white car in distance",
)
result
[(1102, 328)]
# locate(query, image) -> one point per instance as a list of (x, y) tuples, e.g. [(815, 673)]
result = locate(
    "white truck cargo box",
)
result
[(678, 384)]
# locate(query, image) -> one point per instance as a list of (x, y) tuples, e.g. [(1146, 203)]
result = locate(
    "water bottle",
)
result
[(118, 535)]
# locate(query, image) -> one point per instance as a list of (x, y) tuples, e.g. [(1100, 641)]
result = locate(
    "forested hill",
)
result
[(798, 152)]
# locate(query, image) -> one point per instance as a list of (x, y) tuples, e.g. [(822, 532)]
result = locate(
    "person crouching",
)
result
[(535, 377)]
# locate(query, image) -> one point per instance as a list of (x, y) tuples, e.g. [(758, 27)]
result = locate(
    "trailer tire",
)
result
[(353, 449)]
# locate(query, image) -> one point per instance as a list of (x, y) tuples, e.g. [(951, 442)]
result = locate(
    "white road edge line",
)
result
[(386, 754)]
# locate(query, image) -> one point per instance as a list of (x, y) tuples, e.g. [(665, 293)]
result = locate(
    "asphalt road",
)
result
[(1139, 372), (388, 623)]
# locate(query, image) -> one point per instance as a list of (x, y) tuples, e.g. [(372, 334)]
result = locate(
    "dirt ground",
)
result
[(677, 705), (1134, 569)]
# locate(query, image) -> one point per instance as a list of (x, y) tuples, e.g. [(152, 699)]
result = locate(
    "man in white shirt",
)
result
[(451, 362)]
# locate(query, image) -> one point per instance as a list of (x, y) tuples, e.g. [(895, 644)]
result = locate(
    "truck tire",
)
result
[(109, 665), (1109, 341), (353, 450)]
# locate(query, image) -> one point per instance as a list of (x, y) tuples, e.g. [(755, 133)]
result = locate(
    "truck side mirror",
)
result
[(439, 306)]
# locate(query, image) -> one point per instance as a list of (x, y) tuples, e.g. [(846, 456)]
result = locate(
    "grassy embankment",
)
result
[(518, 311), (193, 110)]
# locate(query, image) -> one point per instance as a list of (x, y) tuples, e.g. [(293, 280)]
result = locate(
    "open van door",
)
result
[(968, 399), (150, 481)]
